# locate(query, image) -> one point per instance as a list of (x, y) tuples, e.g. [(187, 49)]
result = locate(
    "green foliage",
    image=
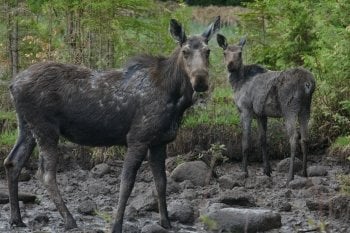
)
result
[(8, 138), (216, 2), (208, 222), (344, 181)]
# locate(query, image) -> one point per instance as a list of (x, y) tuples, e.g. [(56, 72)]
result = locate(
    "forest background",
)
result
[(104, 34)]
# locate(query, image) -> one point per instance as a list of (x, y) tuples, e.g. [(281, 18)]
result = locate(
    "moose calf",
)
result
[(261, 93)]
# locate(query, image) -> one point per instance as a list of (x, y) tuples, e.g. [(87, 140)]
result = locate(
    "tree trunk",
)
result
[(12, 25)]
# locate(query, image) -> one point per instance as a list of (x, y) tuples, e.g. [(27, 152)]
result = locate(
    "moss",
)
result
[(8, 138)]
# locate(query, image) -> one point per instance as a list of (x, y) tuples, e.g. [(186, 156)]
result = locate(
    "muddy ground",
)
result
[(92, 196)]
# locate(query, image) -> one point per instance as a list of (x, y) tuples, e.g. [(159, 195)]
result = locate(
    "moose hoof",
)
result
[(165, 224), (268, 172), (70, 225), (17, 223)]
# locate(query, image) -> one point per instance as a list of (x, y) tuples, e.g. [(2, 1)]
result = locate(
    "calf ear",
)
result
[(222, 42), (242, 41), (177, 32), (212, 29)]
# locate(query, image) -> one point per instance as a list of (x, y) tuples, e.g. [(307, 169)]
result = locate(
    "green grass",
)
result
[(8, 138), (342, 141), (10, 116)]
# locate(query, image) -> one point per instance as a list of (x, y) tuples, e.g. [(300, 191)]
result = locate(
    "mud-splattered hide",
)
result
[(140, 106), (261, 93)]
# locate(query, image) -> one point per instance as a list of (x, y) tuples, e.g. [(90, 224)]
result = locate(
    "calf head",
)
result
[(232, 53), (194, 53)]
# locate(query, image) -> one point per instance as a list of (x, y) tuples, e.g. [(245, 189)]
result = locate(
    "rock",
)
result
[(318, 205), (317, 171), (129, 227), (25, 197), (236, 198), (339, 207), (229, 181), (283, 165), (146, 201), (40, 220), (100, 170), (254, 182), (318, 190), (182, 211), (98, 188), (195, 171), (24, 176), (189, 194), (87, 207), (172, 186), (245, 220), (300, 182), (153, 228), (284, 206)]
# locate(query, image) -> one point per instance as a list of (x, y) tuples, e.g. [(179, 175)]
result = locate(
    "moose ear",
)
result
[(212, 29), (242, 41), (222, 42), (177, 32)]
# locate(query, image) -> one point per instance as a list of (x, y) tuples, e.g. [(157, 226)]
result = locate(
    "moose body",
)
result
[(260, 93), (140, 106)]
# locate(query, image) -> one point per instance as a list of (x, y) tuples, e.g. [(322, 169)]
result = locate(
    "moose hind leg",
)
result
[(135, 155), (13, 164), (262, 126), (293, 141), (48, 152), (157, 158), (303, 122), (246, 120)]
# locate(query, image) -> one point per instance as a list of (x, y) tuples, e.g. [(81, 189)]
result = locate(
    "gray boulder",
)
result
[(87, 207), (100, 170), (182, 211), (300, 182), (317, 171), (245, 220), (146, 201), (153, 228), (195, 171), (283, 165), (236, 198)]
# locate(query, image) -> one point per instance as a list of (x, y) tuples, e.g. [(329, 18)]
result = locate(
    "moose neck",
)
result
[(175, 79), (236, 77)]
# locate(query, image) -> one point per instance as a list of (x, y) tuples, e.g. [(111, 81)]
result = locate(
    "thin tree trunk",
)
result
[(13, 38)]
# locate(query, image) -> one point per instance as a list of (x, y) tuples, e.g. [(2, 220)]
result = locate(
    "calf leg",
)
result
[(157, 162), (135, 155), (293, 141), (246, 120), (48, 152), (13, 164), (262, 125), (303, 122)]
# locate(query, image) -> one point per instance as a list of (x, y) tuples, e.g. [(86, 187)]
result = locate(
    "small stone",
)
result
[(283, 165), (300, 182), (100, 170), (245, 220), (318, 205), (195, 171), (87, 207), (39, 221), (24, 176), (236, 198), (97, 189), (172, 186), (181, 210), (317, 171), (146, 201), (284, 206), (153, 228), (228, 182)]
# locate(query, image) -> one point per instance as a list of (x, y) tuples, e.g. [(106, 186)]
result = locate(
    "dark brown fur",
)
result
[(140, 106)]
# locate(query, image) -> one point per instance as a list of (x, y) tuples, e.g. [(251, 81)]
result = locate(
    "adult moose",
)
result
[(140, 107), (261, 93)]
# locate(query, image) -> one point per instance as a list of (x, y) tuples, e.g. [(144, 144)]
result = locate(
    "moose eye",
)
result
[(186, 53), (207, 52)]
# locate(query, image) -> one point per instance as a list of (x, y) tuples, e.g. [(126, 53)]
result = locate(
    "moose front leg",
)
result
[(135, 155), (246, 120), (157, 158)]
